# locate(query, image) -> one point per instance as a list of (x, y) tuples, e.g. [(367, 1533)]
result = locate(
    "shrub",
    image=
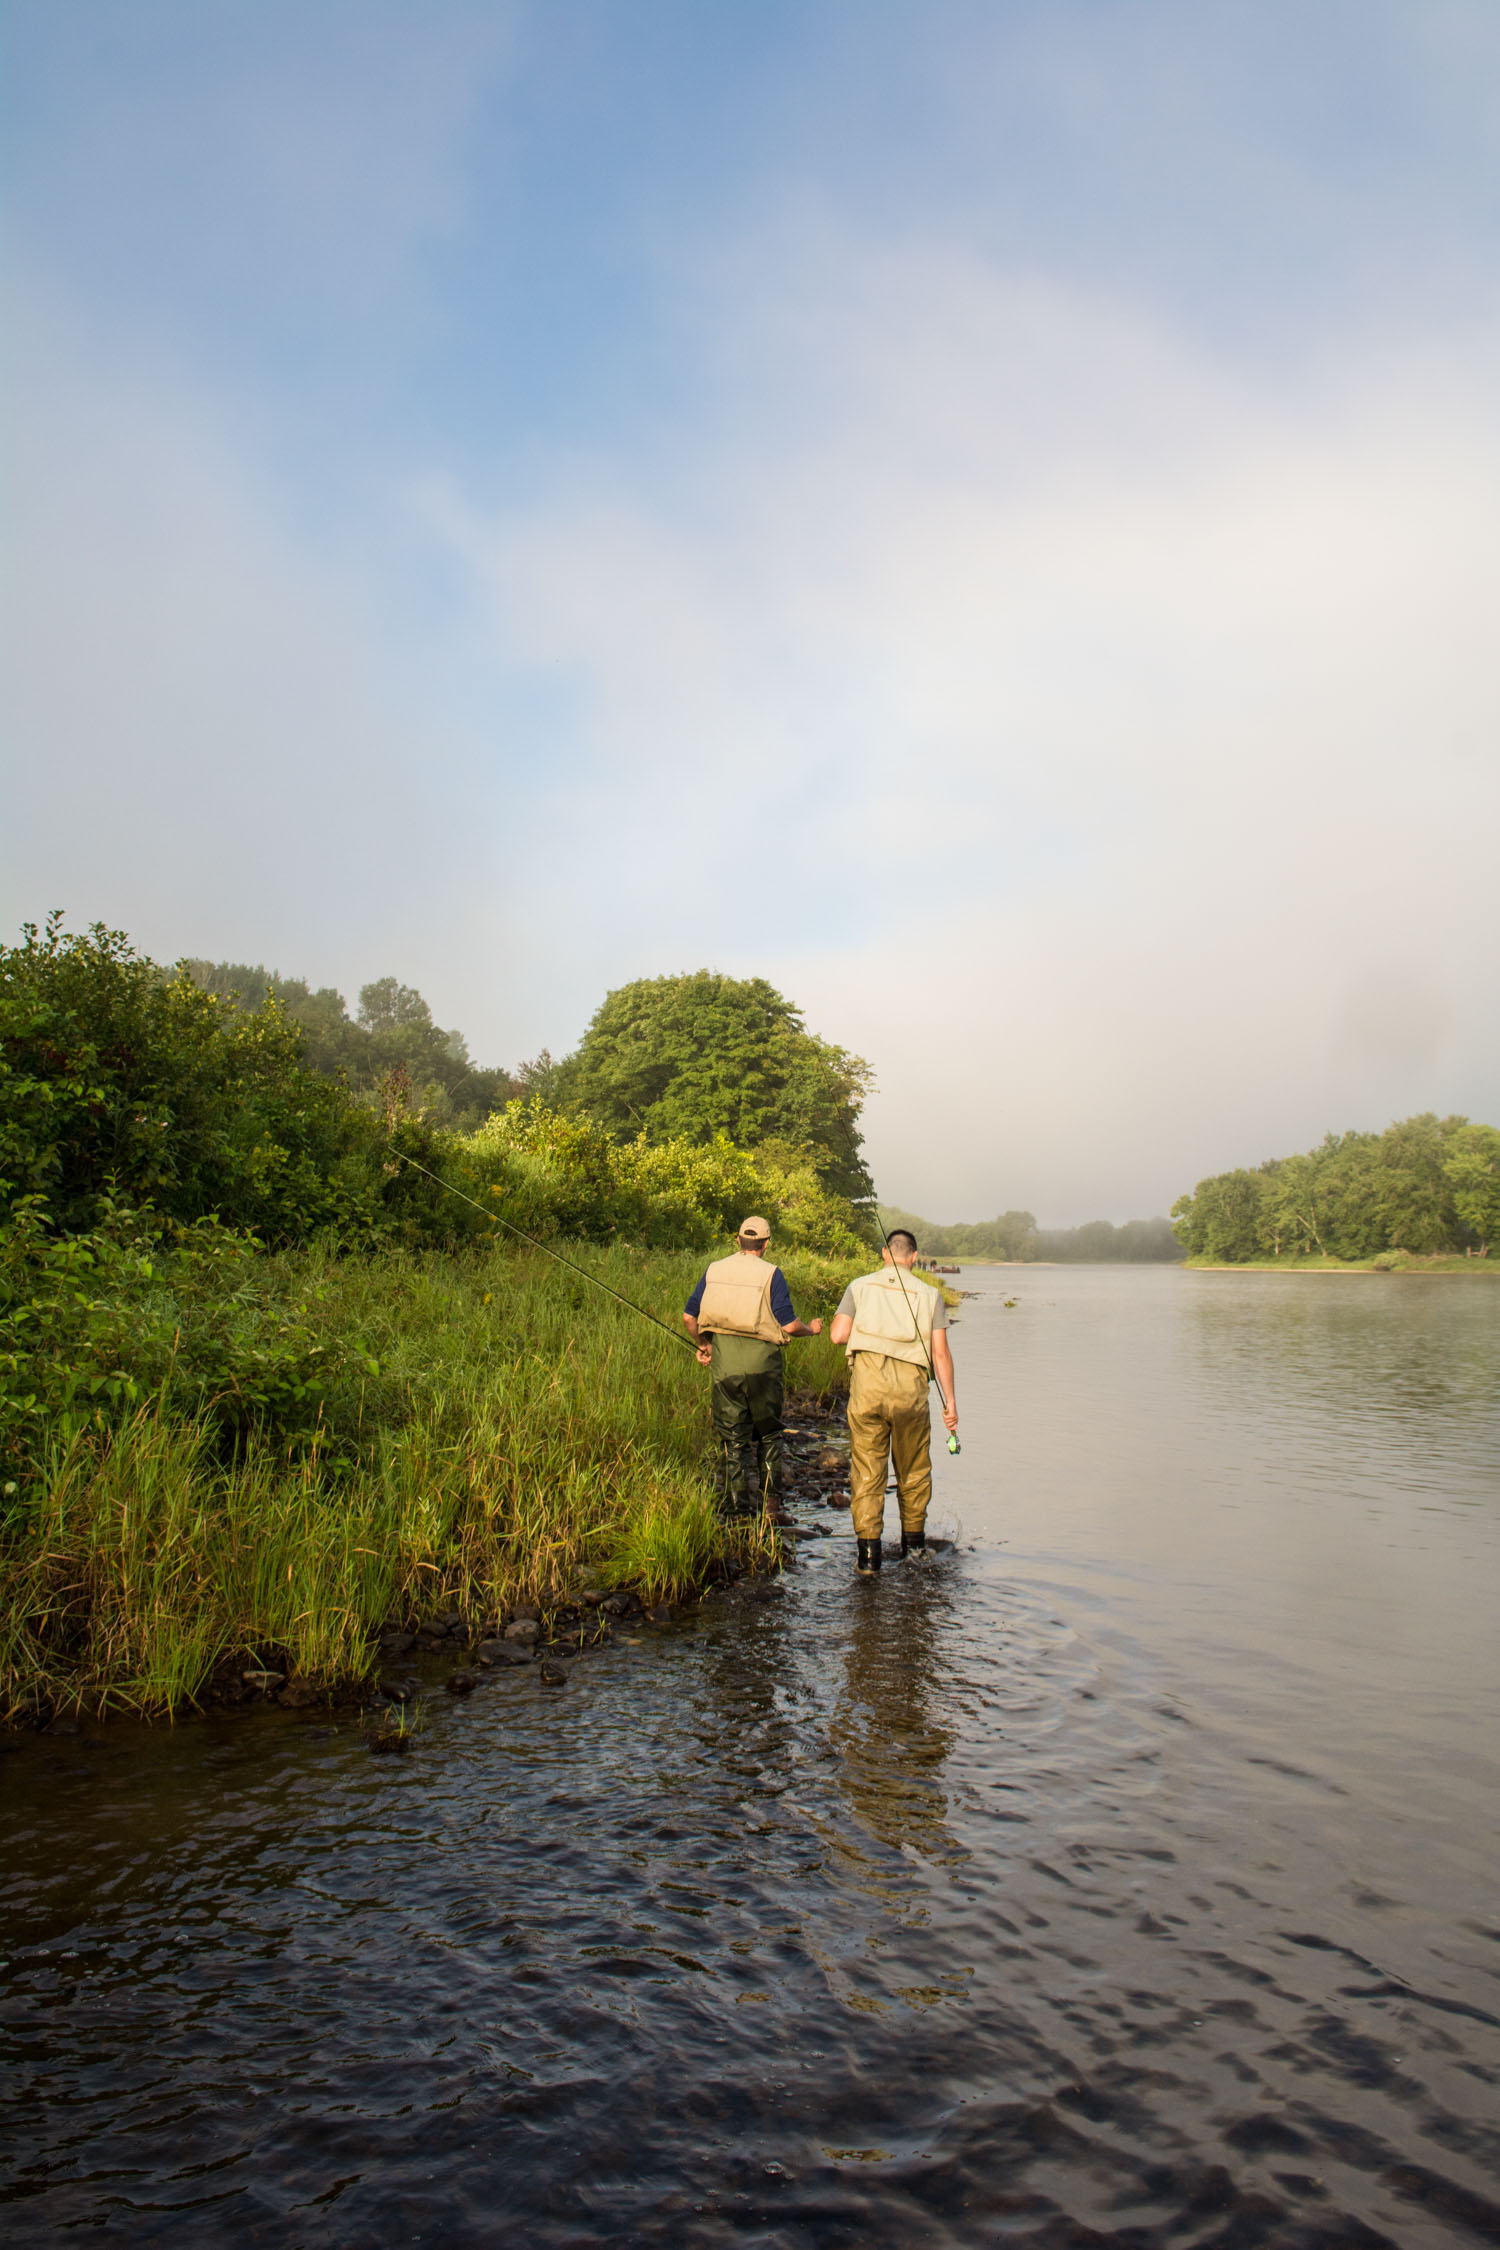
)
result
[(551, 1174)]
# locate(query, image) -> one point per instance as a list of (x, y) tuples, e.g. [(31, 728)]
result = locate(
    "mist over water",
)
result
[(1124, 1877)]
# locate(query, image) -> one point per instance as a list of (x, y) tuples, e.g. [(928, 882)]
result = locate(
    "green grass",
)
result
[(502, 1430)]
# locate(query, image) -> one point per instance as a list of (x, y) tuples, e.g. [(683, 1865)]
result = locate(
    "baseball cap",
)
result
[(755, 1230)]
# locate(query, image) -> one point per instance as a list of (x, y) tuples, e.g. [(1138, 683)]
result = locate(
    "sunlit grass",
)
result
[(511, 1433)]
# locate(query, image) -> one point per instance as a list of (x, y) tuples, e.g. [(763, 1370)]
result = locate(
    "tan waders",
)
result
[(889, 1420), (748, 1383)]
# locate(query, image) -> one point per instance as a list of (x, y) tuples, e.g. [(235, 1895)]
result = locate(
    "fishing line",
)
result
[(510, 1226)]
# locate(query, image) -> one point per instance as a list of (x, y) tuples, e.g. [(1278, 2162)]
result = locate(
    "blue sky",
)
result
[(983, 514)]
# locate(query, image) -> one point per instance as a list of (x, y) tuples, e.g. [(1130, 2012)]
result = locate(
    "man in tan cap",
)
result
[(741, 1317), (895, 1329)]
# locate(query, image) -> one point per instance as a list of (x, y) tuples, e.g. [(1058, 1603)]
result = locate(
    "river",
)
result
[(1125, 1876)]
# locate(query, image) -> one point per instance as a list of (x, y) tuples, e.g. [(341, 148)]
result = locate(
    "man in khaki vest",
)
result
[(896, 1331), (741, 1316)]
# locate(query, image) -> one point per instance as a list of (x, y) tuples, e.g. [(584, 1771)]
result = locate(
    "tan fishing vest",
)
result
[(737, 1299), (893, 1314)]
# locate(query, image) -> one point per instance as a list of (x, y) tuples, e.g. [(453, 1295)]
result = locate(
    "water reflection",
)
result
[(1421, 1353), (891, 1741)]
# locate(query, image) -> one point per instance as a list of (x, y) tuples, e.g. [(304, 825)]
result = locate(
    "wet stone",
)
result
[(504, 1652), (264, 1680), (553, 1672), (397, 1691), (461, 1683), (524, 1629)]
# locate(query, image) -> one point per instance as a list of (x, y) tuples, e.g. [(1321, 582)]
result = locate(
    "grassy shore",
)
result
[(502, 1431), (1390, 1261)]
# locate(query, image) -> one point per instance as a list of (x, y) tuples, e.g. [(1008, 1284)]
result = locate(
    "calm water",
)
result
[(1126, 1877)]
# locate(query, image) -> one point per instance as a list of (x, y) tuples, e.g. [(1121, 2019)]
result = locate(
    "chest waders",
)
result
[(868, 1552)]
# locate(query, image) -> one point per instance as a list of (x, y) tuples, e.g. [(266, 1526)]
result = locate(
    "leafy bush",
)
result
[(547, 1173), (138, 1312), (121, 1080)]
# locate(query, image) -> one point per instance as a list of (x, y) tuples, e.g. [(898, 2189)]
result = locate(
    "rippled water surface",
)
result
[(1126, 1876)]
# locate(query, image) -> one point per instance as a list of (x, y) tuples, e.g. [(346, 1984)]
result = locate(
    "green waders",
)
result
[(748, 1385)]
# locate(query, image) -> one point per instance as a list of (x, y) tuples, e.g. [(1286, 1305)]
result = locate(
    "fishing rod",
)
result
[(496, 1220)]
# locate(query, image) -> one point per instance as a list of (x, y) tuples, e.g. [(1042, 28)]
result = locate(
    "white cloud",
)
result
[(1175, 692)]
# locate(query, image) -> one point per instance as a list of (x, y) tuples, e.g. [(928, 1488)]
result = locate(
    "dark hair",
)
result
[(901, 1234)]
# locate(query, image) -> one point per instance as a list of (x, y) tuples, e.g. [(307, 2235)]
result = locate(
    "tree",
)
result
[(1472, 1170), (1413, 1195), (1292, 1214), (1221, 1219), (387, 1005), (692, 1057)]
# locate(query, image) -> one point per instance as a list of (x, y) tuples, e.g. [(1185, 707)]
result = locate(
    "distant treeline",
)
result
[(1427, 1186), (1015, 1235)]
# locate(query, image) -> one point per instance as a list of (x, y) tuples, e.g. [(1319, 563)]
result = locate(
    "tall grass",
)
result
[(501, 1430)]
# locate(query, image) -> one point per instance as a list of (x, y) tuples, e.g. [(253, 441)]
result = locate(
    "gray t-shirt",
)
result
[(939, 1310)]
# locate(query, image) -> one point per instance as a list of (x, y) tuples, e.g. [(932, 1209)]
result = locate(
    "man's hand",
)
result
[(705, 1353), (816, 1326), (942, 1368)]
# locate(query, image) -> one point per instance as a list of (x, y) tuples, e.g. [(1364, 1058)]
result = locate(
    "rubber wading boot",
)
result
[(867, 1562), (913, 1542)]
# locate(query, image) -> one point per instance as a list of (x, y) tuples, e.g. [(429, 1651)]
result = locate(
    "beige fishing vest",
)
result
[(893, 1314), (737, 1299)]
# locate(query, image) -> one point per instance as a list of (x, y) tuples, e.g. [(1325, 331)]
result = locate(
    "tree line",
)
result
[(1426, 1186), (1016, 1238)]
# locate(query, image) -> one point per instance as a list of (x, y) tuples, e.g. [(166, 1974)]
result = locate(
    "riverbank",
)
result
[(1389, 1261), (489, 1435)]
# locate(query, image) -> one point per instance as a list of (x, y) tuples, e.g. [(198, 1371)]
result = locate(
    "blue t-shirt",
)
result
[(781, 1298)]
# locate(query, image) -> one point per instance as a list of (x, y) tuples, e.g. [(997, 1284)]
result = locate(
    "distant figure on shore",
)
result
[(896, 1330), (741, 1317)]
